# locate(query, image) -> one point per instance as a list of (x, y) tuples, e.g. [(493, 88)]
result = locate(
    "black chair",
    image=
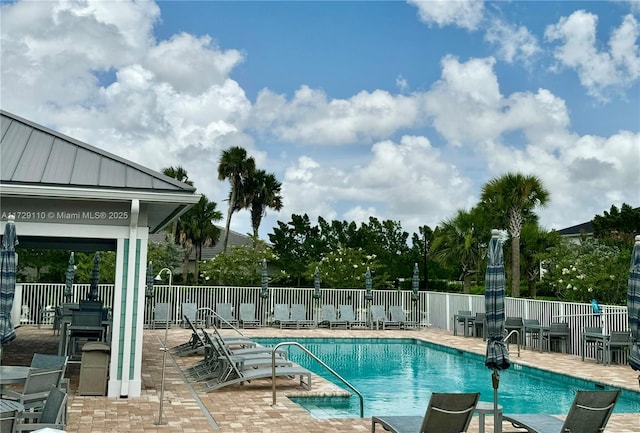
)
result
[(515, 324), (85, 325), (531, 332), (558, 334), (479, 325), (591, 337), (618, 344)]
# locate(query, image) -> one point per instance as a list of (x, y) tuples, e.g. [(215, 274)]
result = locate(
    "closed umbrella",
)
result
[(415, 283), (7, 281), (149, 292), (316, 284), (368, 285), (494, 285), (633, 306), (95, 278), (264, 293), (69, 276)]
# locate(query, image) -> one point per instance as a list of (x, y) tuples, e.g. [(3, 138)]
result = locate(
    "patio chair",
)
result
[(7, 421), (298, 317), (161, 316), (51, 416), (558, 333), (464, 318), (398, 315), (515, 324), (36, 388), (86, 325), (379, 317), (591, 336), (531, 332), (224, 316), (446, 413), (248, 316), (348, 315), (618, 343), (589, 413), (50, 362), (479, 326), (195, 344)]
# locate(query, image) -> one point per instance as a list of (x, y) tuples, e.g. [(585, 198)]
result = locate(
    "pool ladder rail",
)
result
[(321, 362), (506, 339)]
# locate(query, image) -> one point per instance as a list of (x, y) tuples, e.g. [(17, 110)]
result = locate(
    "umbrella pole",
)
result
[(495, 380)]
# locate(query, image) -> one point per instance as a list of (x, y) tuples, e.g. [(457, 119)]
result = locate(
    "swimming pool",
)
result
[(397, 377)]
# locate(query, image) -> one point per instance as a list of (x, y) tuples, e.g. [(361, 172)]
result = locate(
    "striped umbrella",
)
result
[(368, 284), (95, 277), (494, 285), (149, 292), (415, 283), (7, 281), (264, 293), (69, 276), (633, 306), (316, 284)]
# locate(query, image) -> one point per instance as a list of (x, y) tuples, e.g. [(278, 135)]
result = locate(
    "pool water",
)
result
[(397, 377)]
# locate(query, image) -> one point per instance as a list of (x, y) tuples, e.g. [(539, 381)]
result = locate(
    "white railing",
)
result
[(433, 309)]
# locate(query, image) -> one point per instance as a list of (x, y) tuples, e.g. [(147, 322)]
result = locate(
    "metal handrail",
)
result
[(212, 311), (304, 349), (513, 331)]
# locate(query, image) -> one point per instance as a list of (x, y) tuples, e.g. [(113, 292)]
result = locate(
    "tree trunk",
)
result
[(515, 267), (226, 231), (466, 284)]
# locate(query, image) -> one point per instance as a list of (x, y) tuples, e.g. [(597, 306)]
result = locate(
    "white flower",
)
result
[(590, 289), (580, 277), (569, 286), (560, 281), (206, 278), (355, 266), (565, 271)]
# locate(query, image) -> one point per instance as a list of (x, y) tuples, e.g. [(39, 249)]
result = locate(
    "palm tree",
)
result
[(457, 242), (199, 229), (510, 199), (264, 192), (180, 174), (238, 168)]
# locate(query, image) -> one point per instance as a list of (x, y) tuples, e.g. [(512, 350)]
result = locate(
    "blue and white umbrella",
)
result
[(633, 306), (69, 276), (494, 287), (415, 283), (7, 281), (264, 279), (95, 278), (316, 284), (368, 285)]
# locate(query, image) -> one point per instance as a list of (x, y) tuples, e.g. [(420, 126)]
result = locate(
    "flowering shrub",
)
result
[(346, 267), (585, 271)]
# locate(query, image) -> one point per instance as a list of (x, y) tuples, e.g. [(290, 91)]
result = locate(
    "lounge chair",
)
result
[(379, 318), (189, 310), (161, 315), (224, 316), (348, 315), (398, 315), (589, 413), (248, 316), (329, 317), (446, 413), (234, 375), (297, 318), (196, 343), (280, 314)]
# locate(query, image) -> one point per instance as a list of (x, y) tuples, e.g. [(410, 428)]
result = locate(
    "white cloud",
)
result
[(462, 13), (597, 69), (310, 117), (514, 43)]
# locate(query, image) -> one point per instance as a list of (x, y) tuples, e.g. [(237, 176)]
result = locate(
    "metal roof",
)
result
[(31, 153)]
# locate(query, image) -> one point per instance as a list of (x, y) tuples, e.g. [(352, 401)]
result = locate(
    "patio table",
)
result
[(10, 408), (467, 322), (13, 374)]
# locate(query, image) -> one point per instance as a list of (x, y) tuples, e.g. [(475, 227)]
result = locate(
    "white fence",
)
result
[(433, 309)]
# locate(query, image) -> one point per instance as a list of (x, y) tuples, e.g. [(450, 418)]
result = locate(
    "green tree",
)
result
[(265, 192), (346, 267), (511, 199), (165, 254), (238, 168), (198, 228), (180, 174), (458, 241), (297, 243), (618, 226), (535, 241)]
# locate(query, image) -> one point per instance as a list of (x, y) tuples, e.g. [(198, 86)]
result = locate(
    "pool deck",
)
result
[(248, 408)]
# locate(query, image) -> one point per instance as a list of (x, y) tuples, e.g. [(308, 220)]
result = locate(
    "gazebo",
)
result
[(66, 194)]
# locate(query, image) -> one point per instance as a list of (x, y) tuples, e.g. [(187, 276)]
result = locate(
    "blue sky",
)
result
[(398, 110)]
